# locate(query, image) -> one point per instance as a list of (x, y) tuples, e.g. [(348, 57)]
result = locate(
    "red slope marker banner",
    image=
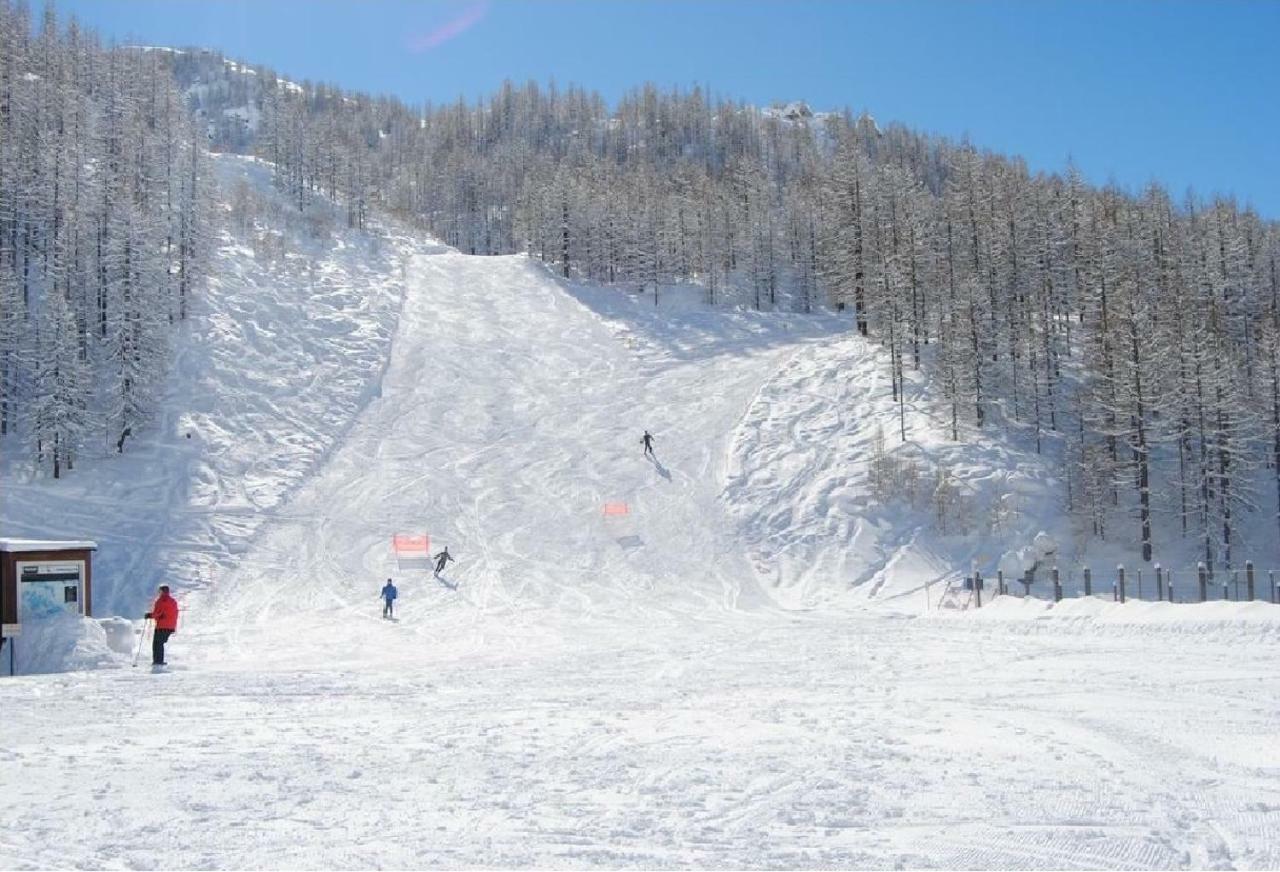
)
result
[(413, 550), (408, 543)]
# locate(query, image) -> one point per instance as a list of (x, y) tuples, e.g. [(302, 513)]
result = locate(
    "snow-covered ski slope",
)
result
[(737, 672), (509, 417)]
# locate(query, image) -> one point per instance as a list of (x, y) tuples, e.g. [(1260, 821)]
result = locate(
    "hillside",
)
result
[(742, 669), (1116, 353), (285, 345)]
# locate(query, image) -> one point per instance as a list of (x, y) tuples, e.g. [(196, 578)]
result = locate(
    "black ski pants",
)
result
[(157, 645)]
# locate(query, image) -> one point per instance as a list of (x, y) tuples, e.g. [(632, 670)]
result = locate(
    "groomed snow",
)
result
[(638, 690)]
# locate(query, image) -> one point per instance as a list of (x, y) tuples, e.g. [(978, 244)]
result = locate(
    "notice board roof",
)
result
[(14, 546)]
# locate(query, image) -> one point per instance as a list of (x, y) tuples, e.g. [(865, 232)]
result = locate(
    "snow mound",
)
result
[(833, 504), (67, 644)]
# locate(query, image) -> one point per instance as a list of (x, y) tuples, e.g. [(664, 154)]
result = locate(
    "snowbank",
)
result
[(69, 643), (1218, 619)]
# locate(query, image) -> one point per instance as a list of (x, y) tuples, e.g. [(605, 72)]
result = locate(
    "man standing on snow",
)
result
[(647, 439), (164, 611), (389, 598), (441, 559)]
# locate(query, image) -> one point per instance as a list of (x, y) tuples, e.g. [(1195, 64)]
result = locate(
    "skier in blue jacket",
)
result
[(389, 598)]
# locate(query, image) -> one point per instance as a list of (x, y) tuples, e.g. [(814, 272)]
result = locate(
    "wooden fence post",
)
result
[(977, 588), (1159, 583), (1139, 584), (1120, 582), (1000, 588), (1204, 582), (1088, 581), (1248, 579), (1057, 586)]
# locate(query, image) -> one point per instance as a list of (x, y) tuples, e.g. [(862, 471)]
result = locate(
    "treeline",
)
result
[(1135, 338), (102, 205)]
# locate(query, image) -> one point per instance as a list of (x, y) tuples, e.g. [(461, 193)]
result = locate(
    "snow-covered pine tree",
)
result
[(60, 411)]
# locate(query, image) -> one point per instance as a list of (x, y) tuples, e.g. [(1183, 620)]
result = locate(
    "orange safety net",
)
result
[(409, 542)]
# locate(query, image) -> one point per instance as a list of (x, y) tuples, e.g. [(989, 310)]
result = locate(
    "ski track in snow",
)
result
[(713, 680), (768, 741)]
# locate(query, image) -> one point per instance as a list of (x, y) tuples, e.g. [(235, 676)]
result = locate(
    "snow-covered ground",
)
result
[(719, 740), (746, 669)]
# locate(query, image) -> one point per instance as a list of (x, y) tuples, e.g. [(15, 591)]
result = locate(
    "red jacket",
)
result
[(165, 612)]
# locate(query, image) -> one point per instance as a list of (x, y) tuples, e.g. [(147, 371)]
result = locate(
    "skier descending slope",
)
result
[(389, 597), (647, 439), (164, 611), (441, 559)]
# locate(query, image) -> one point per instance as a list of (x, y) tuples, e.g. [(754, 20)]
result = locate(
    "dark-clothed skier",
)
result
[(164, 611), (647, 439), (441, 559), (389, 598)]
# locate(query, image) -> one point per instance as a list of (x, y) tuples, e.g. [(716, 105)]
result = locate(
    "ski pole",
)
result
[(141, 636)]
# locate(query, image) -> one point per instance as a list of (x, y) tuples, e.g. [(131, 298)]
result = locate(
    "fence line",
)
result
[(1157, 584)]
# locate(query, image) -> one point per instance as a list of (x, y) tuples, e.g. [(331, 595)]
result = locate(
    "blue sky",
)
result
[(1135, 90)]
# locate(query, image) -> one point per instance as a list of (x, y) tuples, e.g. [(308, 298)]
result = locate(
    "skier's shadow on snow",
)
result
[(657, 464), (446, 582)]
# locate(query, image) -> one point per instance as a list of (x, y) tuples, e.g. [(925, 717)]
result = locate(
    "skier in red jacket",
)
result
[(164, 611)]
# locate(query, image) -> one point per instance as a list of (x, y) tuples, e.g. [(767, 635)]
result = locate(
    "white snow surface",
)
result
[(749, 669)]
